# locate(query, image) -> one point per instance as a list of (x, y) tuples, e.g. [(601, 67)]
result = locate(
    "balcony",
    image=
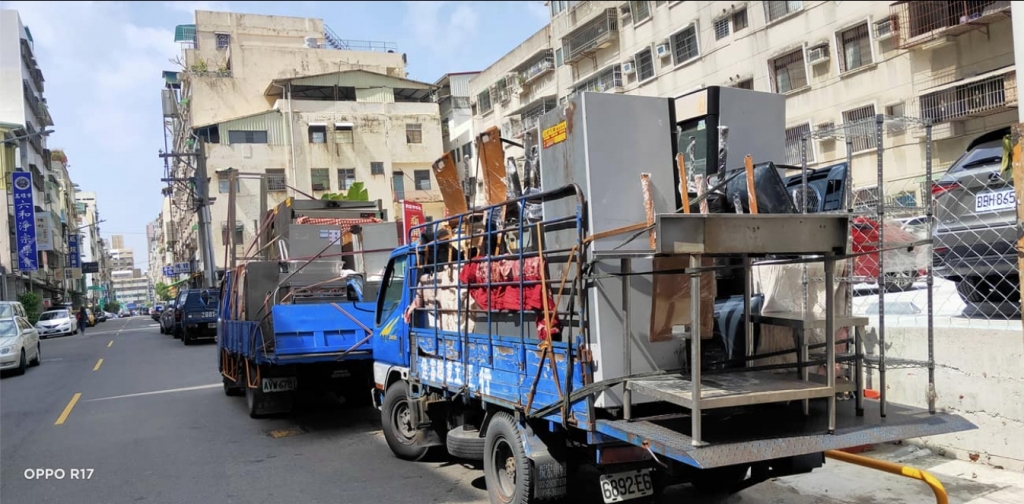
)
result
[(531, 113), (923, 23), (979, 96), (333, 41), (608, 80), (536, 69), (591, 37)]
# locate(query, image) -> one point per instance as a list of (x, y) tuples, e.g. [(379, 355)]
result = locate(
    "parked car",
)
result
[(19, 344), (975, 224), (57, 323), (101, 316), (155, 312), (902, 265), (167, 319), (195, 315), (11, 309)]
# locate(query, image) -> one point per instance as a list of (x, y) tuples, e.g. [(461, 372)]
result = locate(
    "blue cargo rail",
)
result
[(319, 347)]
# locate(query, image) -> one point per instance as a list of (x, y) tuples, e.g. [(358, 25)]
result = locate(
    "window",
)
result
[(247, 137), (224, 185), (789, 72), (895, 110), (739, 20), (483, 102), (223, 40), (347, 177), (794, 142), (210, 134), (467, 151), (239, 237), (684, 45), (276, 180), (641, 11), (398, 184), (854, 48), (721, 28), (558, 57), (317, 133), (414, 133), (393, 286), (320, 179), (557, 7), (376, 168), (860, 127), (422, 179), (644, 64), (343, 133), (745, 84), (774, 11)]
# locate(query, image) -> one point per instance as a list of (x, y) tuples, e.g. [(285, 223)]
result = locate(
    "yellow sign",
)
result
[(553, 135)]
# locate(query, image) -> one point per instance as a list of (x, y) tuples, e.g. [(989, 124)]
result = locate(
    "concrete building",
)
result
[(92, 247), (131, 288), (453, 99), (154, 249), (285, 99), (837, 63), (64, 210), (121, 258), (24, 112)]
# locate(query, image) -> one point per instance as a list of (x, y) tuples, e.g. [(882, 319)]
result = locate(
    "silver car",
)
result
[(975, 224), (56, 323)]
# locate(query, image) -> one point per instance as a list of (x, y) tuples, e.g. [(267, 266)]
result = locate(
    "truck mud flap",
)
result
[(549, 473)]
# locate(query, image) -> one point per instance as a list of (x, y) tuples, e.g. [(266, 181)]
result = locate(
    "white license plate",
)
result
[(211, 325), (995, 200), (279, 384), (627, 485)]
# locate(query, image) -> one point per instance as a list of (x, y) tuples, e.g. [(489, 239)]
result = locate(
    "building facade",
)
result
[(131, 290), (285, 100), (838, 63), (92, 248), (453, 99)]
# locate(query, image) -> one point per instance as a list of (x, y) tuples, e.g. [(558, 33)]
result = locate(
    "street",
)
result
[(151, 424)]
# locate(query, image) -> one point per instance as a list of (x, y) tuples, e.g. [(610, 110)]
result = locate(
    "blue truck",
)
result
[(297, 317), (586, 334)]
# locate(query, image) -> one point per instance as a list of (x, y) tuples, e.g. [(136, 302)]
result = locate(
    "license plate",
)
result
[(210, 325), (995, 200), (627, 485), (279, 384)]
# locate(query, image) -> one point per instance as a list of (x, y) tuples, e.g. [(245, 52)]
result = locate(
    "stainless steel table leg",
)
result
[(748, 322), (695, 358), (858, 352), (627, 336), (830, 339)]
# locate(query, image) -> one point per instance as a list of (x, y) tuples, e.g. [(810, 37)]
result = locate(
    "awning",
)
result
[(344, 125), (315, 124), (969, 80)]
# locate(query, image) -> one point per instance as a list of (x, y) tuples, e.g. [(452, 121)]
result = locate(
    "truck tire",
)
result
[(254, 398), (507, 471), (465, 443), (404, 440)]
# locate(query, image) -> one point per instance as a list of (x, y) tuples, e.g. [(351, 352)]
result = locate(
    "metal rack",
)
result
[(866, 128)]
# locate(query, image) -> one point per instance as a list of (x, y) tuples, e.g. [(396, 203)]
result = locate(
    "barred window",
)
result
[(860, 127), (644, 64), (774, 11), (684, 45), (789, 72), (320, 178), (854, 48), (794, 142), (276, 180)]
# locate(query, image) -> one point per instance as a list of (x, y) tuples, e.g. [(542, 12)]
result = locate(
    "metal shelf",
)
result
[(730, 390)]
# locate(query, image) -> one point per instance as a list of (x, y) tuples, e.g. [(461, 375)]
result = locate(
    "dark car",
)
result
[(195, 315), (976, 219), (166, 319), (155, 312), (101, 316)]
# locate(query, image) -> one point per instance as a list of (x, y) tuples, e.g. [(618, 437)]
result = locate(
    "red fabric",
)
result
[(476, 274)]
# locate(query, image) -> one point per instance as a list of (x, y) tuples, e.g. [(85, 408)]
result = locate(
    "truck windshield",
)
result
[(391, 289)]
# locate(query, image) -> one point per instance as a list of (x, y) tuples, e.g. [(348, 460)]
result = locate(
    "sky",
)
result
[(102, 62)]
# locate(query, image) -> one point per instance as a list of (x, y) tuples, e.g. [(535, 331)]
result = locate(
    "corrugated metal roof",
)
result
[(272, 122), (358, 79)]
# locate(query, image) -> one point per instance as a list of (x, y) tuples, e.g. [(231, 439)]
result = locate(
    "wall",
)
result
[(12, 107)]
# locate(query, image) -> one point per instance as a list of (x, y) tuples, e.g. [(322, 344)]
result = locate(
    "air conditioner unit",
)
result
[(883, 30), (628, 67), (624, 9), (319, 187), (663, 50), (817, 55)]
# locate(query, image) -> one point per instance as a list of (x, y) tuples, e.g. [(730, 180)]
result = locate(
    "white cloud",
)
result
[(446, 29), (539, 11), (191, 7)]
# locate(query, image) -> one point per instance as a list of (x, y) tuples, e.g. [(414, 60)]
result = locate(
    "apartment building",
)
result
[(92, 247), (285, 100), (453, 100), (838, 63), (24, 111), (131, 288), (155, 249), (63, 211)]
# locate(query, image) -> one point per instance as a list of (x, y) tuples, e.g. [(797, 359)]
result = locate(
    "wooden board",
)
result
[(447, 174), (492, 163)]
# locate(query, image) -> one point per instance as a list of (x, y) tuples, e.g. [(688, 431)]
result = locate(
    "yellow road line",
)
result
[(110, 344), (98, 364), (67, 409)]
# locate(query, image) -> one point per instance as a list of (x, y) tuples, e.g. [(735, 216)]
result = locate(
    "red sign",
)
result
[(412, 215)]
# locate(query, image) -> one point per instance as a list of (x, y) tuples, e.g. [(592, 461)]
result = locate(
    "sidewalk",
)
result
[(965, 482)]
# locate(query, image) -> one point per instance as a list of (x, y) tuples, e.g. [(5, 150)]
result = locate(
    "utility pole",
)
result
[(203, 214)]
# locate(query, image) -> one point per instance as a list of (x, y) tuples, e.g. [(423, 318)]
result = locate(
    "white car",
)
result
[(19, 345), (56, 323)]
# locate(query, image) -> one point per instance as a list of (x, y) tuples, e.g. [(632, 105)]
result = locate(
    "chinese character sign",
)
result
[(74, 255), (412, 216), (25, 221)]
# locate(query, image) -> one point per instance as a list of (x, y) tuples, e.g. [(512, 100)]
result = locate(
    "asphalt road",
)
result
[(130, 415)]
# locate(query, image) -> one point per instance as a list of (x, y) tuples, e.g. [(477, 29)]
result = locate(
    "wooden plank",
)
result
[(492, 163), (447, 174)]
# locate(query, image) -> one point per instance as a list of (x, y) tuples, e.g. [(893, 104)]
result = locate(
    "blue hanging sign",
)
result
[(25, 221), (74, 254)]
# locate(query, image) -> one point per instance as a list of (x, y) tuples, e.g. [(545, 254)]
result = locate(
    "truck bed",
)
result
[(774, 432), (303, 333)]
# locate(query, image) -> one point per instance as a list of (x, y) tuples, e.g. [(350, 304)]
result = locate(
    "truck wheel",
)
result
[(507, 471), (465, 443), (396, 418)]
